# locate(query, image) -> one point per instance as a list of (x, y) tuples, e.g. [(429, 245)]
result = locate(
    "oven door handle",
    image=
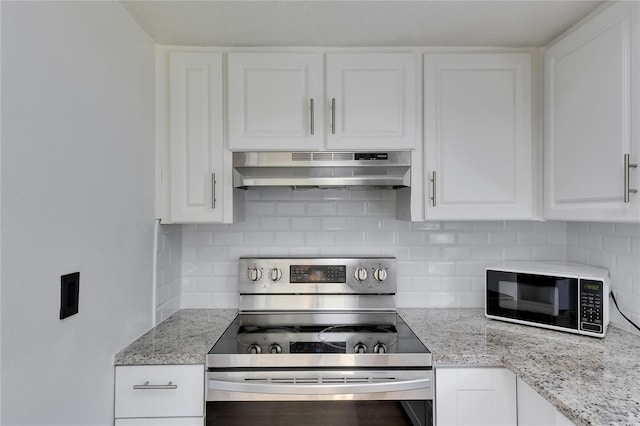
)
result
[(319, 388)]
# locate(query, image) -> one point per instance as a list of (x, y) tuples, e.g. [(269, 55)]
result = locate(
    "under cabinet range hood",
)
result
[(389, 169)]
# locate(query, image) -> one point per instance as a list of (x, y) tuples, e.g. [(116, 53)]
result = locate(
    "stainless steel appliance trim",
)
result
[(147, 386), (317, 302), (321, 384), (628, 165), (389, 360)]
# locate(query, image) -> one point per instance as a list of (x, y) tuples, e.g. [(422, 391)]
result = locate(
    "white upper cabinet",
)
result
[(592, 91), (373, 101), (478, 144), (275, 101), (195, 173)]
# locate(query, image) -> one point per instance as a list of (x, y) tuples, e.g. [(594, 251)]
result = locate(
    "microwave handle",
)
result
[(319, 388)]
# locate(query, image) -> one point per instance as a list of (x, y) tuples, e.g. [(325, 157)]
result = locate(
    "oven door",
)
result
[(532, 298), (320, 397)]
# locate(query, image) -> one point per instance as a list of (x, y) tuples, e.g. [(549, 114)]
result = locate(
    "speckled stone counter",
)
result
[(591, 381), (183, 338)]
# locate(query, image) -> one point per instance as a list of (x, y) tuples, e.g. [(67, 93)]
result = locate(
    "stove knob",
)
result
[(380, 348), (380, 274), (360, 274), (275, 274), (255, 274), (275, 348), (360, 348), (255, 349)]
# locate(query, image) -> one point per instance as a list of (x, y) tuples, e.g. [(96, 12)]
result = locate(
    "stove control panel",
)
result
[(305, 275)]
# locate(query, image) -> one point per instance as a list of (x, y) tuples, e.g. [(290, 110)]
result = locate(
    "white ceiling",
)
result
[(357, 23)]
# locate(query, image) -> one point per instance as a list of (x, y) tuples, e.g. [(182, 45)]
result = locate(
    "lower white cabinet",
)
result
[(163, 395), (534, 410), (475, 396)]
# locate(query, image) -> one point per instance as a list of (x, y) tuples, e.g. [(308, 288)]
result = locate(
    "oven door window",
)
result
[(535, 298)]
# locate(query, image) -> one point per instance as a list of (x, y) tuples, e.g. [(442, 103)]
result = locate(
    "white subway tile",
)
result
[(258, 238), (548, 254), (426, 226), (578, 255), (351, 208), (369, 224), (557, 238), (291, 208), (441, 237), (532, 238), (630, 229), (473, 299), (321, 208), (601, 228), (188, 253), (503, 238), (380, 238), (456, 253), (518, 225), (306, 223), (195, 268), (456, 284), (458, 226), (393, 224), (489, 226), (550, 226), (196, 239), (276, 193), (473, 268), (227, 238), (590, 241), (602, 260), (259, 208), (224, 268), (366, 194), (441, 268), (275, 223), (397, 252), (486, 253), (616, 244), (473, 238), (425, 253), (210, 253), (635, 246), (336, 194), (349, 238), (381, 208), (336, 223), (289, 238), (409, 238), (426, 283), (320, 238), (410, 268), (306, 251), (517, 253)]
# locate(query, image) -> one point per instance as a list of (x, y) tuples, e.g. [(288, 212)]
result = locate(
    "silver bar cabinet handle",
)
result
[(146, 386), (333, 116), (312, 115), (433, 188), (213, 190), (628, 165)]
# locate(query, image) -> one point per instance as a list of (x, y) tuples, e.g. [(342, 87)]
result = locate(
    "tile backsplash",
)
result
[(616, 247), (439, 264), (168, 270)]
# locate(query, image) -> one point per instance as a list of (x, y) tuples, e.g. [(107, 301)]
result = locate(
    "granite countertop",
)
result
[(183, 338), (591, 381)]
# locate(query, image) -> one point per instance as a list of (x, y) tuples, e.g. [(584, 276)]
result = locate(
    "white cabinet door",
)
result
[(275, 101), (478, 148), (475, 397), (534, 410), (591, 119), (196, 163), (373, 101)]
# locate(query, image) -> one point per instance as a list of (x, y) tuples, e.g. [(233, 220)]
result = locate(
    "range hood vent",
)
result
[(390, 169)]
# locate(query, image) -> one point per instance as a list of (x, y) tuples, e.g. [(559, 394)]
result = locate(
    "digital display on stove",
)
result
[(305, 274), (318, 347)]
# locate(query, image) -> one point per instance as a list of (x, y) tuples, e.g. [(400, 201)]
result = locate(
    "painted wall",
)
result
[(439, 263), (615, 246), (77, 195)]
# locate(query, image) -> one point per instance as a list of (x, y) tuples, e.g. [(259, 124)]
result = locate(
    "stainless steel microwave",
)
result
[(564, 297)]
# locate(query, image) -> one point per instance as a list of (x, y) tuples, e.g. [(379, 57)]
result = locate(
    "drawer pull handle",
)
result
[(627, 166), (146, 385)]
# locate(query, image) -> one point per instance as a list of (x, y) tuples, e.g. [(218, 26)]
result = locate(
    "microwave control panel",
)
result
[(591, 305)]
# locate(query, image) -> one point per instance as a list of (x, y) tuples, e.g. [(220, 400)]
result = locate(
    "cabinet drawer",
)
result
[(159, 391)]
